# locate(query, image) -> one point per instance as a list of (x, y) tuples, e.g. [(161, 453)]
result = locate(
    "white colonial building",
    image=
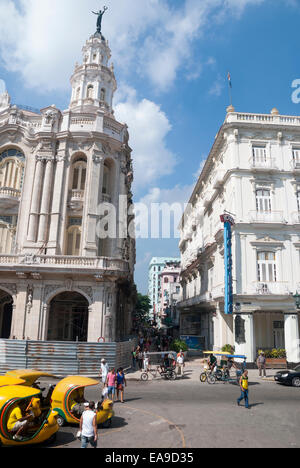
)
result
[(58, 279), (253, 172)]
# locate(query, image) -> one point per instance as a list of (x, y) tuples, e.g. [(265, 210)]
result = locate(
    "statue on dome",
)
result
[(100, 16)]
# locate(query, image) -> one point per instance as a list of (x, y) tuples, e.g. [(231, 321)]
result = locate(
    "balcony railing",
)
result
[(266, 119), (9, 197), (64, 262), (266, 217), (270, 288), (263, 163), (77, 195)]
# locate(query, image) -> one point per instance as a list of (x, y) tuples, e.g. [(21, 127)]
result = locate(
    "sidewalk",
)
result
[(194, 368)]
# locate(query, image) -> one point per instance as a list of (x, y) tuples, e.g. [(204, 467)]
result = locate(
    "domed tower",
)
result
[(93, 82)]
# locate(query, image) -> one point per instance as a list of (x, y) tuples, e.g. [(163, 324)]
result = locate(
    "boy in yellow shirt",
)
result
[(244, 385)]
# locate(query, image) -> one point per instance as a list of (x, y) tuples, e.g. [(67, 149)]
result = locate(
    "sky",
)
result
[(171, 62)]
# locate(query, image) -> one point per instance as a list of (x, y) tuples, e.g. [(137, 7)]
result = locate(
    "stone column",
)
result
[(291, 335), (19, 312), (90, 246), (96, 312), (56, 207), (33, 314), (36, 199), (45, 204), (245, 343)]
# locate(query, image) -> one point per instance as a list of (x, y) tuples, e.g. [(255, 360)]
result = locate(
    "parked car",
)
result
[(289, 377)]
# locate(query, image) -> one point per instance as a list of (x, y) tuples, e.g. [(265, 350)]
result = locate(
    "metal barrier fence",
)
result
[(63, 358)]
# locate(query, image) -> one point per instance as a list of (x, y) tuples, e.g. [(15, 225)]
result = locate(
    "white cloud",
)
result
[(148, 128), (217, 87), (178, 194), (42, 40)]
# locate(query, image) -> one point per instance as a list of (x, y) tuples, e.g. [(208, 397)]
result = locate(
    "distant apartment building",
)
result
[(170, 294), (253, 172), (156, 266)]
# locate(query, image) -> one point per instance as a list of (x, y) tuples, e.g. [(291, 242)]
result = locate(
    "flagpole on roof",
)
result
[(230, 88)]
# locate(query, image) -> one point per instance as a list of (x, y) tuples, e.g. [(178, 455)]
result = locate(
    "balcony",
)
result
[(263, 164), (266, 217), (95, 266), (9, 197), (270, 288), (76, 199)]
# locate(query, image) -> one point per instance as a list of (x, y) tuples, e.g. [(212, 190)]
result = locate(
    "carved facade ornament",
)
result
[(88, 290), (49, 289), (11, 287)]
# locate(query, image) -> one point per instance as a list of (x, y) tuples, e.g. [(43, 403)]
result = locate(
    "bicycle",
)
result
[(168, 374)]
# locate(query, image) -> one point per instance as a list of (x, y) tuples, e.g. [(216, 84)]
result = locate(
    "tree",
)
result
[(142, 310)]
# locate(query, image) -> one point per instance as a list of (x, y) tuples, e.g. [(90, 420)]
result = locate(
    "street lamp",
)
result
[(297, 300)]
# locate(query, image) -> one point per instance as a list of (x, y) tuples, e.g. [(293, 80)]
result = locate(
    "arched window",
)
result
[(102, 95), (108, 178), (74, 241), (105, 187), (12, 169), (90, 92), (79, 174)]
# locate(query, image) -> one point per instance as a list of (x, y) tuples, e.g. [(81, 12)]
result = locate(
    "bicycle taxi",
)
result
[(222, 373), (160, 364)]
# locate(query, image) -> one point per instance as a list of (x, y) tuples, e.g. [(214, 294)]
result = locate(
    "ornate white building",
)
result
[(253, 172), (58, 279)]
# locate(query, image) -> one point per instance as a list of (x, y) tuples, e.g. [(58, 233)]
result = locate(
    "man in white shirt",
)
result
[(104, 370), (88, 427), (180, 363)]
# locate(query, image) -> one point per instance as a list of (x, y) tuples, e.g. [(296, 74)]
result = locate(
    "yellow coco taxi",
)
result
[(30, 376), (24, 400), (6, 381), (69, 392)]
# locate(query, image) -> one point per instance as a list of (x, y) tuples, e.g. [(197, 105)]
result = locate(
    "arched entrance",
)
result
[(68, 317), (6, 311)]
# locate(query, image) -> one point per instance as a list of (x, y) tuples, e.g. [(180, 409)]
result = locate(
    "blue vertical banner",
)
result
[(228, 222)]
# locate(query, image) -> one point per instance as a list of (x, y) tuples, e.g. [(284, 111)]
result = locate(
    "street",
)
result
[(190, 414)]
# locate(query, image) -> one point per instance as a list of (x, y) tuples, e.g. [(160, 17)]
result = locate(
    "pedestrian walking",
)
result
[(140, 359), (88, 427), (145, 362), (180, 363), (104, 371), (121, 384), (261, 364), (244, 385), (111, 383), (133, 355)]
